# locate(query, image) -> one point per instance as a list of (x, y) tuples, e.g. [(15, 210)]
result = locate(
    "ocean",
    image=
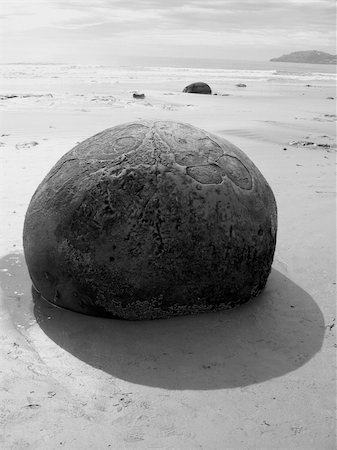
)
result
[(165, 73)]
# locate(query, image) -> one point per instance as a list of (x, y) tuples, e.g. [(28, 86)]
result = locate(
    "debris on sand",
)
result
[(10, 96), (135, 95), (326, 118), (301, 143), (104, 99), (324, 145), (26, 145), (312, 145), (6, 97), (241, 85), (32, 406)]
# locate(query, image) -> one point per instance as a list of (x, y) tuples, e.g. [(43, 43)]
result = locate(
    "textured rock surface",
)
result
[(149, 220), (198, 88)]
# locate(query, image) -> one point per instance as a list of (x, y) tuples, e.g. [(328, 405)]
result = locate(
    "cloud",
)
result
[(171, 14), (142, 24)]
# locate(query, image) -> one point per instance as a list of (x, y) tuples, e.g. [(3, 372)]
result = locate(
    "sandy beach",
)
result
[(261, 376)]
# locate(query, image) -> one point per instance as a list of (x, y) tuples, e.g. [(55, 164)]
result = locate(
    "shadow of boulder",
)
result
[(268, 337)]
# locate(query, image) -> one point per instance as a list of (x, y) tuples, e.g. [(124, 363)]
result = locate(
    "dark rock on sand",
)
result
[(241, 85), (138, 95), (148, 220), (198, 88)]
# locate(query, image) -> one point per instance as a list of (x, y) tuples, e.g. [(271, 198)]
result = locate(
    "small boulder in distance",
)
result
[(198, 88)]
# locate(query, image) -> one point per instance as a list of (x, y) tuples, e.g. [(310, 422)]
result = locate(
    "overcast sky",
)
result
[(100, 31)]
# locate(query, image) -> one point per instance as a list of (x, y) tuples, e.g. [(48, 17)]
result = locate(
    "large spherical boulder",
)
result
[(198, 88), (149, 220)]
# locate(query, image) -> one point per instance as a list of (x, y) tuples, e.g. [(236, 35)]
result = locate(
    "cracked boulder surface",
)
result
[(149, 220)]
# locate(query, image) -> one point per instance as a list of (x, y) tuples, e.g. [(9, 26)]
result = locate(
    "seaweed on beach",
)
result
[(313, 145)]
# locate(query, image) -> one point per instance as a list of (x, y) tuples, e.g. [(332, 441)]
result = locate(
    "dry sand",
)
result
[(258, 377)]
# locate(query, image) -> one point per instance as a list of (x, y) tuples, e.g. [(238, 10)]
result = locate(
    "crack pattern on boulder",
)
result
[(148, 220)]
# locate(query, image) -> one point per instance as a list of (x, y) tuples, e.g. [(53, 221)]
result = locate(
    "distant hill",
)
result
[(309, 56)]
